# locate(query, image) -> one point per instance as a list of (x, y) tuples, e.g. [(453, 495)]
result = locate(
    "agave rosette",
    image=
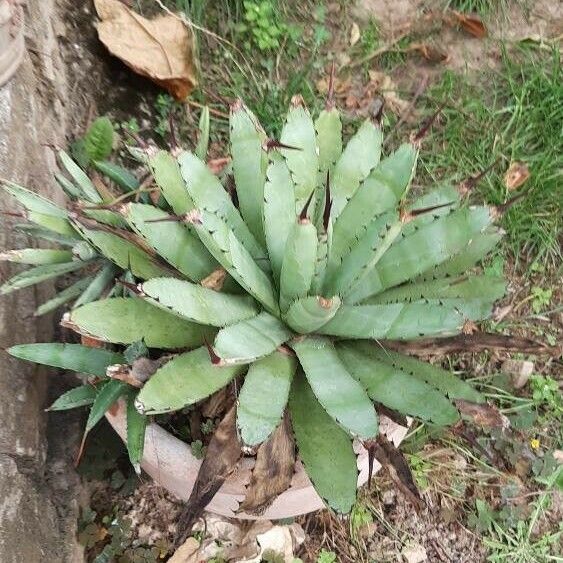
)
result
[(294, 291)]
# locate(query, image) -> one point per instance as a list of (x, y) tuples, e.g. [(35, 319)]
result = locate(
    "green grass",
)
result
[(514, 114), (481, 7)]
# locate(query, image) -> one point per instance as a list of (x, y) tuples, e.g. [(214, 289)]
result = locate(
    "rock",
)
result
[(518, 370), (414, 553), (388, 497)]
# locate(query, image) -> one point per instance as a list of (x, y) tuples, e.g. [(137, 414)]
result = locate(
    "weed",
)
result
[(326, 557), (262, 25), (359, 517), (546, 394), (541, 298)]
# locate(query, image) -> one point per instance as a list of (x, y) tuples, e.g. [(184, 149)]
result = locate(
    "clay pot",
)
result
[(170, 462), (11, 38)]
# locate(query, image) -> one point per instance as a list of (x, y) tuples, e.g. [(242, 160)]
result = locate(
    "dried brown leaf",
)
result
[(482, 414), (354, 34), (221, 459), (160, 49), (124, 373), (516, 175), (215, 279), (393, 460), (217, 404), (273, 471), (431, 53), (471, 24)]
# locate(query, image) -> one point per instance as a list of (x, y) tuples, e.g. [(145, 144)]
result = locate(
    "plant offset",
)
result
[(291, 283)]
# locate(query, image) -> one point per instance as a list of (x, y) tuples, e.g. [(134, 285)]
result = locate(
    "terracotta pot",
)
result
[(170, 462), (11, 38)]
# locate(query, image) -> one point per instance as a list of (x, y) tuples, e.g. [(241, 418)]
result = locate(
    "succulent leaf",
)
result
[(105, 398), (64, 296), (120, 176), (400, 321), (36, 256), (308, 314), (197, 303), (173, 241), (249, 340), (249, 166), (80, 396), (430, 245), (326, 449), (263, 396), (279, 211), (184, 380), (358, 159), (394, 388), (168, 178), (302, 160), (340, 394), (441, 379), (98, 285), (328, 127), (203, 140), (136, 428), (74, 357), (80, 178), (126, 320)]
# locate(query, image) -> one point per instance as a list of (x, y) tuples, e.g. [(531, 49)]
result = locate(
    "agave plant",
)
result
[(293, 288)]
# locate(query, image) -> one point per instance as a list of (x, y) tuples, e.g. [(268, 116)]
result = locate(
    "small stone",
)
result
[(388, 497), (414, 553), (518, 370)]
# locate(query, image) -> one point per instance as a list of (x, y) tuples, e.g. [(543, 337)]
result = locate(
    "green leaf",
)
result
[(76, 397), (263, 396), (105, 398), (38, 232), (359, 158), (328, 127), (36, 256), (63, 296), (203, 139), (279, 210), (68, 187), (249, 166), (39, 274), (444, 381), (208, 193), (337, 391), (325, 449), (235, 258), (430, 245), (302, 161), (401, 321), (127, 320), (381, 191), (298, 266), (309, 314), (98, 141), (184, 380), (174, 241), (74, 357), (395, 388), (40, 210), (197, 303), (135, 351), (168, 178), (126, 254), (97, 286), (475, 250), (117, 174), (80, 178), (136, 428), (245, 342)]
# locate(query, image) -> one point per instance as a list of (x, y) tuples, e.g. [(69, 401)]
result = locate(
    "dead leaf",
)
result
[(215, 279), (431, 53), (217, 403), (273, 471), (472, 24), (217, 165), (124, 373), (482, 414), (160, 49), (392, 459), (221, 459), (186, 553), (381, 83), (516, 175), (354, 34), (88, 341), (469, 327)]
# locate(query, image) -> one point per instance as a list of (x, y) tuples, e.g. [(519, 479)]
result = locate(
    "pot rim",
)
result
[(170, 462)]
